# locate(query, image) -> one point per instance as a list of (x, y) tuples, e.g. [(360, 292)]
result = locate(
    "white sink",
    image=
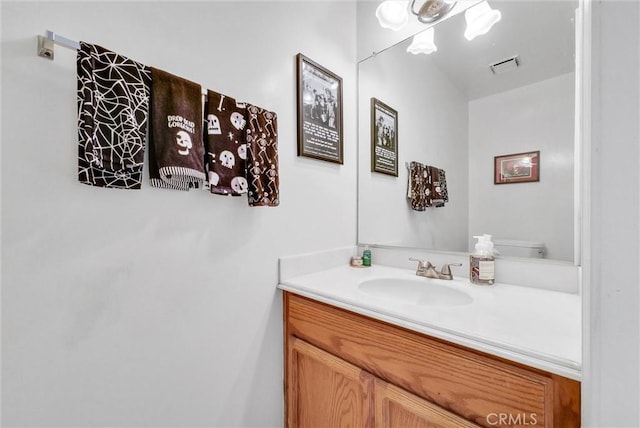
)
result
[(418, 291)]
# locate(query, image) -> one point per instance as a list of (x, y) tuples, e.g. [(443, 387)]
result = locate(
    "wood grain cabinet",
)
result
[(347, 370), (328, 391)]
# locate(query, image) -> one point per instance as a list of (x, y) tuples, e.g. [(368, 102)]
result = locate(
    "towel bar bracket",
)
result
[(46, 44), (45, 48)]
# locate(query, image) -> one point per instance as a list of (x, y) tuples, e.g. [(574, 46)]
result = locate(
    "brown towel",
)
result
[(419, 186), (437, 196), (176, 152), (113, 103), (262, 157), (225, 145), (443, 185)]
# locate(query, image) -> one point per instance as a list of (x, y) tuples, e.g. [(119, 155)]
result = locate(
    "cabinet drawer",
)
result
[(480, 388)]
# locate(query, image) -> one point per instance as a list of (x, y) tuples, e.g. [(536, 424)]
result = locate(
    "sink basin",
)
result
[(418, 291)]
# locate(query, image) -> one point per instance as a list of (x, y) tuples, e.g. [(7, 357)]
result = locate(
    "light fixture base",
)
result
[(432, 10)]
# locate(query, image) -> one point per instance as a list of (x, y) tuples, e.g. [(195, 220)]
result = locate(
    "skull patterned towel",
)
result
[(225, 145), (176, 152), (262, 157), (419, 187), (113, 103)]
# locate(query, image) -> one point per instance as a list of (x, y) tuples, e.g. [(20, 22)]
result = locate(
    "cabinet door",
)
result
[(396, 407), (326, 391)]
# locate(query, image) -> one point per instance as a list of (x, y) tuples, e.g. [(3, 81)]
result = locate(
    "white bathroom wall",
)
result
[(156, 307), (535, 117), (611, 394), (431, 100)]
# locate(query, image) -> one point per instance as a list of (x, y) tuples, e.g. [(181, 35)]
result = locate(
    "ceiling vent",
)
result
[(505, 65)]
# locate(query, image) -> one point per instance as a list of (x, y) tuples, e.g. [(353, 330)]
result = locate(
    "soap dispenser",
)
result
[(482, 262)]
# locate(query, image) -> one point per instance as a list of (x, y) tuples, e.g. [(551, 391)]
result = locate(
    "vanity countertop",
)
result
[(535, 327)]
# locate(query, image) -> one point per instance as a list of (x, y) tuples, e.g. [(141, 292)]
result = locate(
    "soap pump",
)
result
[(482, 261)]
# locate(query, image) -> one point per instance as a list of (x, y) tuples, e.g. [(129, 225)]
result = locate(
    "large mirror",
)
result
[(456, 114)]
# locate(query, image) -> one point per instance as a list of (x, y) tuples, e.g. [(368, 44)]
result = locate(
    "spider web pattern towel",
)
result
[(113, 103), (262, 157)]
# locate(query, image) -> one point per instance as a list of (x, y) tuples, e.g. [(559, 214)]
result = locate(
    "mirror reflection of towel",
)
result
[(113, 103), (419, 186), (426, 187), (437, 195), (262, 157), (176, 151), (444, 192)]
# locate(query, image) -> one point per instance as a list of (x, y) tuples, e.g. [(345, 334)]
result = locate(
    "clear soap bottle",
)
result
[(482, 262)]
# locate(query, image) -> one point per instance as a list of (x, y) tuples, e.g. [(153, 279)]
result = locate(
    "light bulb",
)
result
[(393, 14), (423, 43), (480, 18)]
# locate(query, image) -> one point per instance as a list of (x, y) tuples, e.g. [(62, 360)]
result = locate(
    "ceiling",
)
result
[(541, 33)]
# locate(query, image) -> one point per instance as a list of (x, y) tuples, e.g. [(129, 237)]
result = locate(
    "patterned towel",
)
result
[(262, 157), (113, 103), (225, 145), (419, 187), (437, 195), (176, 151), (444, 192)]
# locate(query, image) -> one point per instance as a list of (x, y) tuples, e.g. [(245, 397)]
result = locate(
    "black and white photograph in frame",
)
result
[(384, 138), (319, 112)]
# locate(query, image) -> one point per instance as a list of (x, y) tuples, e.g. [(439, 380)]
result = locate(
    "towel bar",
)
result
[(46, 44)]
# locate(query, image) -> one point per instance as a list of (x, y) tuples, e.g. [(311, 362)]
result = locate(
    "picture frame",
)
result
[(384, 138), (517, 168), (319, 94)]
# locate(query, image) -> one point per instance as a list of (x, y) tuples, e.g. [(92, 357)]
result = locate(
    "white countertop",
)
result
[(535, 327)]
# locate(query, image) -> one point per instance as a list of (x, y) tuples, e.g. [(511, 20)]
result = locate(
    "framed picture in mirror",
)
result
[(517, 168), (384, 138), (319, 112)]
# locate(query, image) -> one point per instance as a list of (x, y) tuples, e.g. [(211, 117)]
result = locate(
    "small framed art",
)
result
[(384, 138), (517, 168)]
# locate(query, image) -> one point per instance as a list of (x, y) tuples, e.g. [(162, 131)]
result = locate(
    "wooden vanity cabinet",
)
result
[(326, 390), (343, 369)]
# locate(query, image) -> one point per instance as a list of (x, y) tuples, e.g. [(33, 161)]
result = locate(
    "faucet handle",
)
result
[(425, 264), (445, 271), (425, 268)]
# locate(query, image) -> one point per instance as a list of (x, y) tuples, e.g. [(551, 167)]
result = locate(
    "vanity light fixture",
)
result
[(480, 18), (423, 43), (394, 14)]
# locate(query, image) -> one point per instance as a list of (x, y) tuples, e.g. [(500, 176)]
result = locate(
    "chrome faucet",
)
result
[(428, 270)]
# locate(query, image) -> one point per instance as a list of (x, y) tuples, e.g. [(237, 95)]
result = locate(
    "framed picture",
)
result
[(517, 168), (319, 112), (384, 138)]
